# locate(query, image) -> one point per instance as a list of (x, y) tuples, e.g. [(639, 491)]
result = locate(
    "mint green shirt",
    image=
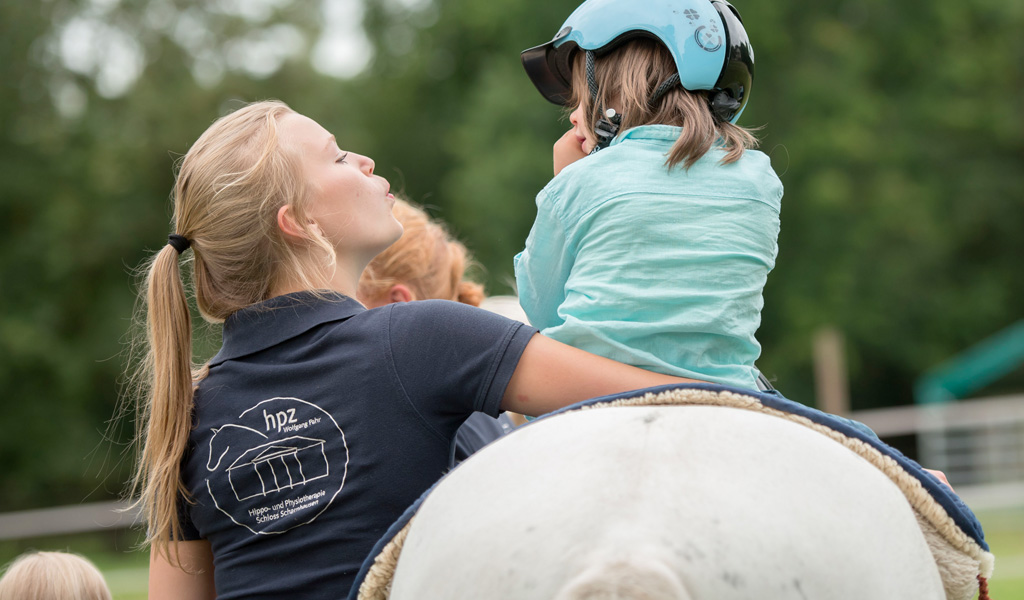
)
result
[(655, 268)]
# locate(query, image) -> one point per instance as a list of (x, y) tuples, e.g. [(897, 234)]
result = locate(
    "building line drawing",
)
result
[(278, 465)]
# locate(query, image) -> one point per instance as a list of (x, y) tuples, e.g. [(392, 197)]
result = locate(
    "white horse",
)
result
[(656, 502)]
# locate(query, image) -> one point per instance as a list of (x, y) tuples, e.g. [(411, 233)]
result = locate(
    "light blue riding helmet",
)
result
[(705, 37)]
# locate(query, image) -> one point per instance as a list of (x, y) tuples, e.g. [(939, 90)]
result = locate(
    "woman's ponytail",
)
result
[(229, 188), (165, 418)]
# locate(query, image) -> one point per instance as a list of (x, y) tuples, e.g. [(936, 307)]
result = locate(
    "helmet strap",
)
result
[(664, 88), (607, 127), (723, 106), (591, 74)]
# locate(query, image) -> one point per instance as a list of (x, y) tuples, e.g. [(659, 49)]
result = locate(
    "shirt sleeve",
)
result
[(453, 359), (543, 267)]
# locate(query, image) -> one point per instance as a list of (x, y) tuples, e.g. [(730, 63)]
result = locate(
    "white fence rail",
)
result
[(978, 444), (62, 520)]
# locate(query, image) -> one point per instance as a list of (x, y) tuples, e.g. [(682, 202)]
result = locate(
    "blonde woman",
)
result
[(272, 470), (53, 576)]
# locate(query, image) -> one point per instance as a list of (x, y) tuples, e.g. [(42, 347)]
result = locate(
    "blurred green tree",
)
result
[(86, 155), (895, 127)]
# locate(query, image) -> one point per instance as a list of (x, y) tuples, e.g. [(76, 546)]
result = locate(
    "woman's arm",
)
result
[(551, 375), (192, 580)]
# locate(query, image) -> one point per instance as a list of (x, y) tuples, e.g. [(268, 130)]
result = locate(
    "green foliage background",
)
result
[(896, 129)]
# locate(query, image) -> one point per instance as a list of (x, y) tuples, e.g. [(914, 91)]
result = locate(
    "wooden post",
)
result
[(830, 378)]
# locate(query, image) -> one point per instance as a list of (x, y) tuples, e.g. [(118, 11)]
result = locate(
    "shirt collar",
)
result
[(265, 324), (668, 133)]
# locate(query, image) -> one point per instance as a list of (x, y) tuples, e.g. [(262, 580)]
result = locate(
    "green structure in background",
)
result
[(974, 368)]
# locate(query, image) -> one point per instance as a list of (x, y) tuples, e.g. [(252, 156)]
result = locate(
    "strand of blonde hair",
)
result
[(165, 416)]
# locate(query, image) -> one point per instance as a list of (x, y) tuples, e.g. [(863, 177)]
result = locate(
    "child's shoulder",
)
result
[(754, 173), (755, 161), (584, 185), (751, 177), (573, 178)]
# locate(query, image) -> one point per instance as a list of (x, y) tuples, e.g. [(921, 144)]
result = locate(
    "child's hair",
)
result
[(627, 78), (229, 188), (426, 258), (53, 576)]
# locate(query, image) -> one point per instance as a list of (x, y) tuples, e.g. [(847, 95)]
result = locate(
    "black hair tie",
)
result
[(178, 242)]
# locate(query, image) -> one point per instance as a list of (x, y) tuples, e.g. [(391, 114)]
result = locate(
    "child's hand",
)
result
[(567, 150), (940, 476)]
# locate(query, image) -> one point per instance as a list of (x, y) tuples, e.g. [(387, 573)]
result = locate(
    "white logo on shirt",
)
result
[(278, 467)]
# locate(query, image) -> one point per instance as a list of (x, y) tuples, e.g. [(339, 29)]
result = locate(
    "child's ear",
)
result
[(290, 227), (400, 293)]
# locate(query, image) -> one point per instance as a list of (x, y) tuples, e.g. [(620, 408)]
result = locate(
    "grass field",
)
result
[(1004, 531), (126, 568)]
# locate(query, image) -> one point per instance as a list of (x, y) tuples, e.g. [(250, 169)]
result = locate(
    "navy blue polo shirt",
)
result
[(321, 421)]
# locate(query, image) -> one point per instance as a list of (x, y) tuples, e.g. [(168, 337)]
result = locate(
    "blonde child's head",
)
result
[(53, 576), (425, 263)]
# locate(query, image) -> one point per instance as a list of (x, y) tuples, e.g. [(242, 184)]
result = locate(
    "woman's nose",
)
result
[(367, 164)]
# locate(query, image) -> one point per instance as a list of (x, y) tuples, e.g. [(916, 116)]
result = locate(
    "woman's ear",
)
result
[(287, 224), (400, 293), (290, 227)]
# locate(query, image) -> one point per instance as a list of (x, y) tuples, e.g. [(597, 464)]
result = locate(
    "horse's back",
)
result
[(666, 502)]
